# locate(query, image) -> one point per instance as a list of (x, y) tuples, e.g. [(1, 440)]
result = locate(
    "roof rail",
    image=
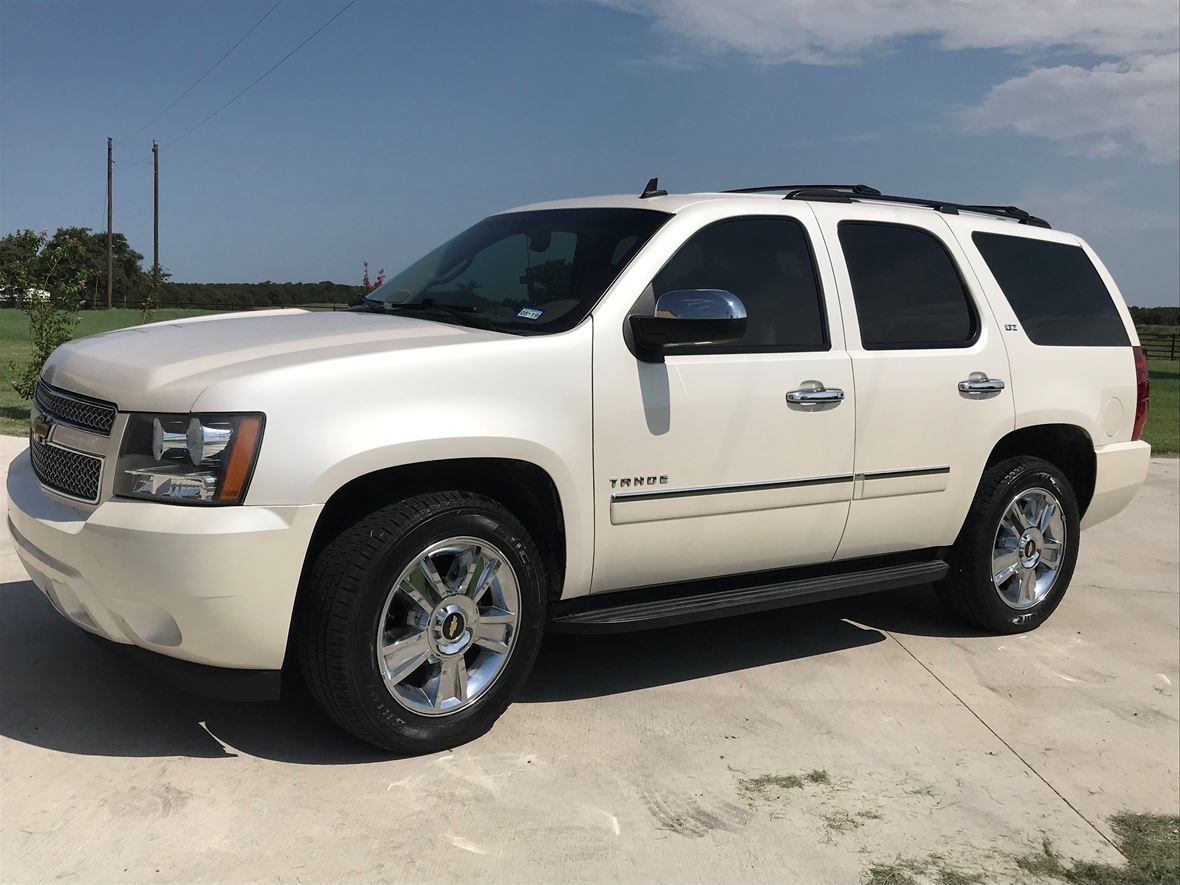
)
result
[(860, 189), (848, 193)]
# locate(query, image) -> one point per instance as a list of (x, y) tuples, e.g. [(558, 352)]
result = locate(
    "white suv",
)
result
[(596, 414)]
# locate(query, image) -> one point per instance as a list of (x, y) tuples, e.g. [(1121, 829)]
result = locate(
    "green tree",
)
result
[(130, 282), (20, 262), (47, 277)]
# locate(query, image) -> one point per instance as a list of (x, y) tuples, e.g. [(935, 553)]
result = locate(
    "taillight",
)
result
[(1142, 392)]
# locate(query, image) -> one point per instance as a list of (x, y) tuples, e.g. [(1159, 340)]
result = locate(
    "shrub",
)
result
[(45, 276)]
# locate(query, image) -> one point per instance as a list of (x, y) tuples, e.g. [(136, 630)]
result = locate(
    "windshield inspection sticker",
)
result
[(529, 313)]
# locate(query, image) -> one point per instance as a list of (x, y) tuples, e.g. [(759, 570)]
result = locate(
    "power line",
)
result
[(264, 74), (133, 165), (197, 82)]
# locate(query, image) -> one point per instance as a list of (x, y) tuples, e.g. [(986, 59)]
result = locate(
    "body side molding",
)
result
[(696, 491)]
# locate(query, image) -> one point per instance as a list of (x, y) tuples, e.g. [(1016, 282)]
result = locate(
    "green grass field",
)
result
[(1163, 421), (1163, 415)]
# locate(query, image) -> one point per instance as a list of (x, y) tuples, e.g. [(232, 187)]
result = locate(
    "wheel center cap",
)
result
[(451, 626), (1029, 549)]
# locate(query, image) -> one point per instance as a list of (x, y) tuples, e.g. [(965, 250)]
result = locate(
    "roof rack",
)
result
[(846, 193), (859, 189)]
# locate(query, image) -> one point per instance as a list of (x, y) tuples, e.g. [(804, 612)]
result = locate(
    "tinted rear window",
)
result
[(907, 290), (1055, 291)]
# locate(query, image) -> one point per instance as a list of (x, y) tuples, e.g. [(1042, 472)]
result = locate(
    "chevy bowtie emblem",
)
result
[(42, 427), (452, 625)]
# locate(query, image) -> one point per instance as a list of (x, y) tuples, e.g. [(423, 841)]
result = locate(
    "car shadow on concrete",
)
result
[(586, 666), (61, 690)]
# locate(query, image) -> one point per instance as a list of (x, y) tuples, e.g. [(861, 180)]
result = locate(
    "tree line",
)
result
[(1156, 316), (75, 258), (231, 296)]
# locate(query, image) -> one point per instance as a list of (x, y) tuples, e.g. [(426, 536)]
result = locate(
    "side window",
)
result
[(767, 263), (1055, 291), (907, 290)]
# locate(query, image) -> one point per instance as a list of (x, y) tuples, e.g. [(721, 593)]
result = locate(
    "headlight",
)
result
[(189, 459)]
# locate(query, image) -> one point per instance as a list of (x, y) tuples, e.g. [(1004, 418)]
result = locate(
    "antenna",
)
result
[(653, 190)]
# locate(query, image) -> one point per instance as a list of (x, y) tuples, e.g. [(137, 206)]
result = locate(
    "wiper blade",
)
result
[(463, 314)]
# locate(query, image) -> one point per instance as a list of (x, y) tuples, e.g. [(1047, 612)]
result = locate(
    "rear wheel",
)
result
[(422, 621), (1015, 555)]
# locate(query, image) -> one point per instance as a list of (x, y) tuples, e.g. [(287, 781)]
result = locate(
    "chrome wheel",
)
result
[(1029, 548), (448, 626)]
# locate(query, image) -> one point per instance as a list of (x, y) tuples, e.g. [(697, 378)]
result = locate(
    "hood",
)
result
[(165, 366)]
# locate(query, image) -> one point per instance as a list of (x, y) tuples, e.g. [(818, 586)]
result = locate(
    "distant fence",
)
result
[(1159, 345)]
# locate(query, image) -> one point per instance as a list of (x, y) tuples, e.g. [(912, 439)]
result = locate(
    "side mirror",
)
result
[(689, 316)]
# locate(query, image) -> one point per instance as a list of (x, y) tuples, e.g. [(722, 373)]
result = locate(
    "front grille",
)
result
[(67, 408), (71, 473)]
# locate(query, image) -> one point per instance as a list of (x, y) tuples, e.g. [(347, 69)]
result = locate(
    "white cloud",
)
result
[(1099, 111), (1126, 98), (837, 31)]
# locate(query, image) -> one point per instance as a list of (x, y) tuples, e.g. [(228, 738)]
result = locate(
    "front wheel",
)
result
[(422, 621), (1015, 555)]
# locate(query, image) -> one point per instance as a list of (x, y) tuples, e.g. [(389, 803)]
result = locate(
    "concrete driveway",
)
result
[(798, 746)]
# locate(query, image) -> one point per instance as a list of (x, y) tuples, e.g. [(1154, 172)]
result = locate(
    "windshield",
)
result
[(522, 272)]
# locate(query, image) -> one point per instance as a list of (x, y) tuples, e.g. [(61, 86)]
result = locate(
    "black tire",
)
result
[(346, 589), (968, 590)]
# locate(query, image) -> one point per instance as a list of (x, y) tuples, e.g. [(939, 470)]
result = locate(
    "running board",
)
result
[(609, 614)]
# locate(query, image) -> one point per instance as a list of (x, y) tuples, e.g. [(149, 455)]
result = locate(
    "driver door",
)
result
[(702, 467)]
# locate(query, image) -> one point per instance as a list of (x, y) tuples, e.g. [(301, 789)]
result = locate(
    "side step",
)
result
[(637, 610)]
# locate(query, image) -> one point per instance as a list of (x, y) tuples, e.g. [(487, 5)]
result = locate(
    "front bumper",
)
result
[(213, 585), (1120, 469)]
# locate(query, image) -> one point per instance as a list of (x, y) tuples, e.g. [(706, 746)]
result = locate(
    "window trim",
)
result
[(723, 349), (969, 296)]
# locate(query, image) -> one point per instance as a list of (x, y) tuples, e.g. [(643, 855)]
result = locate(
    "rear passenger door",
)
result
[(931, 375)]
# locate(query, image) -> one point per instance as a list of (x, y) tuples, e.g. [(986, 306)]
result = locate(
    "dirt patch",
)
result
[(842, 822), (692, 815), (1149, 842), (763, 786), (932, 869)]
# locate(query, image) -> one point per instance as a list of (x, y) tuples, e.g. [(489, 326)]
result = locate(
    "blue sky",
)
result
[(405, 121)]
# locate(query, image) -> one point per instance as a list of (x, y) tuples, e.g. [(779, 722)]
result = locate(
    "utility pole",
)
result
[(110, 218), (155, 207)]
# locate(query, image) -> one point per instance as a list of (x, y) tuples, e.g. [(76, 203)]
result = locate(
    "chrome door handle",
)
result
[(815, 397), (978, 386)]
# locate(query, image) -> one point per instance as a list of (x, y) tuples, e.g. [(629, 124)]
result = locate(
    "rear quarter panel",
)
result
[(1090, 387)]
